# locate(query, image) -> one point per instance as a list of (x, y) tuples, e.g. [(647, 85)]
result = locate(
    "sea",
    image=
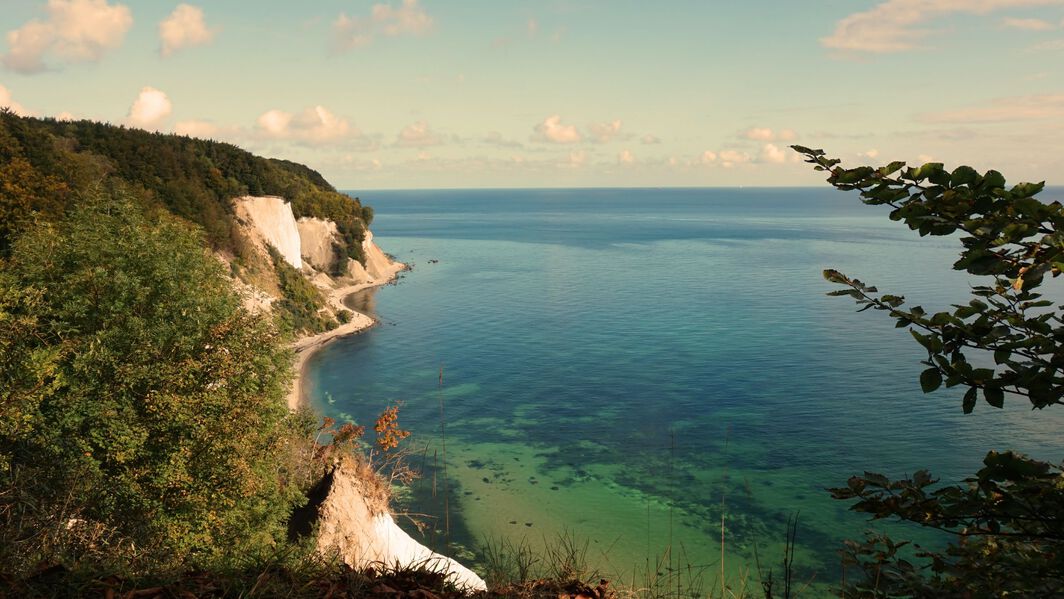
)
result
[(653, 382)]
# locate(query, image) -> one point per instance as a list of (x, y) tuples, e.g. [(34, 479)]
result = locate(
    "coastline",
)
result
[(307, 346)]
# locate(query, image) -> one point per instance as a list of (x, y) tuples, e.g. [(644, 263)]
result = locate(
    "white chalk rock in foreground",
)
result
[(272, 217), (354, 522)]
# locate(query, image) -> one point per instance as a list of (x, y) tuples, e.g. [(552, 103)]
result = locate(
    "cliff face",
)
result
[(272, 218), (311, 245), (317, 238)]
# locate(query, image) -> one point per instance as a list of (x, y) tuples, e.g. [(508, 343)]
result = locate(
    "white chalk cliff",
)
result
[(272, 217), (311, 241), (317, 239)]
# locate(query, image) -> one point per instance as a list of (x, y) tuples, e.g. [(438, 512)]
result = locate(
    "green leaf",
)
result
[(925, 171), (994, 396), (891, 168), (963, 175), (969, 400), (993, 179), (930, 380), (877, 479), (931, 343), (1026, 190)]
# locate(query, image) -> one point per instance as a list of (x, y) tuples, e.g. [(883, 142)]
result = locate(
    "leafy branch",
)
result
[(1007, 520)]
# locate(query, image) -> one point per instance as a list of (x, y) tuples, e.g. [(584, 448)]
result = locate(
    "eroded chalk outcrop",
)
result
[(353, 523)]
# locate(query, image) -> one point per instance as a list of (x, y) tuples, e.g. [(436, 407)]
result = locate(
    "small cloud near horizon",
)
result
[(767, 134), (150, 108), (418, 134), (551, 130), (313, 126), (604, 132), (7, 101)]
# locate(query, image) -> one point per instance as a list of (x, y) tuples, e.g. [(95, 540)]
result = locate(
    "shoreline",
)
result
[(307, 346)]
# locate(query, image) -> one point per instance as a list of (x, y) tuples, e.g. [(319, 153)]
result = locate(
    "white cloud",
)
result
[(626, 157), (418, 134), (925, 158), (731, 158), (6, 101), (760, 134), (151, 107), (275, 122), (767, 134), (649, 139), (708, 157), (604, 132), (897, 25), (315, 125), (184, 28), (74, 31), (1016, 108), (1028, 24), (771, 153), (871, 154), (354, 32), (532, 27), (551, 130)]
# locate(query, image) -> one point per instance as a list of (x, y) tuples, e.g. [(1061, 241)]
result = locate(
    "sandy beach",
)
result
[(306, 346)]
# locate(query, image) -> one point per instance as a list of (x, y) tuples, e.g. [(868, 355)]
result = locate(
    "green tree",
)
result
[(1005, 343), (139, 397)]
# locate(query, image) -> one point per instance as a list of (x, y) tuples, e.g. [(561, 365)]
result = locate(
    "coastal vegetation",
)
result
[(1005, 343), (48, 166), (144, 433), (143, 416)]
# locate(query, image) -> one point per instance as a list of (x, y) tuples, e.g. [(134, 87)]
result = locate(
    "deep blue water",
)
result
[(625, 365)]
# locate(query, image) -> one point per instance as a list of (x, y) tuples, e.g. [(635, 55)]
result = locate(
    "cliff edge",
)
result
[(353, 520)]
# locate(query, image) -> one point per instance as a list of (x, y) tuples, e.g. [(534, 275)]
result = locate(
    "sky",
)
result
[(409, 94)]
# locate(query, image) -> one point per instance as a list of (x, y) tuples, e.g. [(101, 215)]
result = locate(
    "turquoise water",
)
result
[(627, 366)]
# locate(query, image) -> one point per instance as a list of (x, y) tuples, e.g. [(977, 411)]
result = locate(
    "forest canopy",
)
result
[(46, 165)]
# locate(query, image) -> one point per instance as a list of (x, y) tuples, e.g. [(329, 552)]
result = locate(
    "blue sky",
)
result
[(427, 93)]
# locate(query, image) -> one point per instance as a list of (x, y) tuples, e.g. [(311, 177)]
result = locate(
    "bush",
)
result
[(143, 406)]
